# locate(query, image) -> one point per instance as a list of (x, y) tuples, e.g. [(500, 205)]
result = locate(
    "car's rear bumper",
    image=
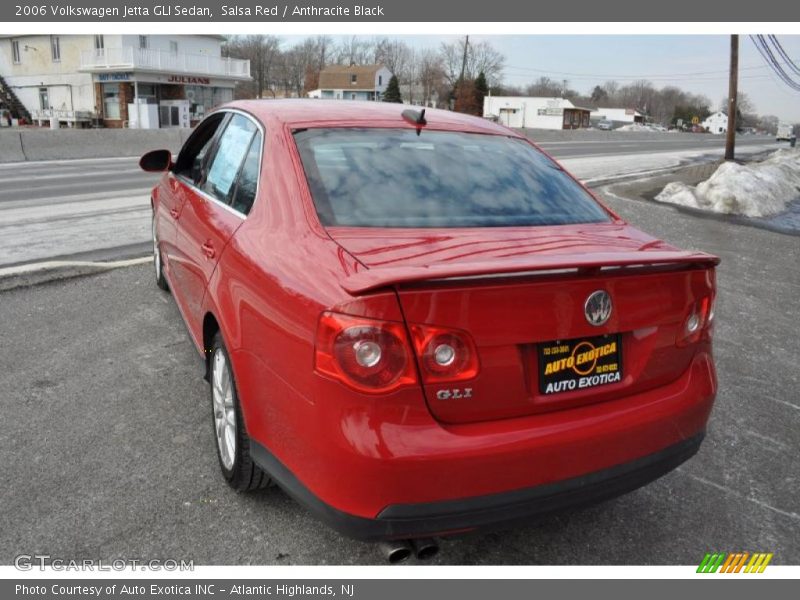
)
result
[(400, 521)]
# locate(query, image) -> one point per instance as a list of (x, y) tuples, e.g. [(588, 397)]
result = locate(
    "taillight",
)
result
[(444, 354), (366, 354), (699, 319)]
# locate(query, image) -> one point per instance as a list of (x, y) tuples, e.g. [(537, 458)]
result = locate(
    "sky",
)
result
[(695, 63)]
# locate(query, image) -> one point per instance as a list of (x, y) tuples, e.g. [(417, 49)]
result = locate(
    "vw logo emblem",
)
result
[(597, 308)]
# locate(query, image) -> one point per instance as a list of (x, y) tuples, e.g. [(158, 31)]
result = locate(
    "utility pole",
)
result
[(460, 83), (733, 94), (464, 60)]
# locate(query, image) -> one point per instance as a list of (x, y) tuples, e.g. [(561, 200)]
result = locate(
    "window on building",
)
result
[(111, 100), (173, 47), (146, 90), (353, 78), (44, 99), (143, 42), (55, 48), (380, 79), (15, 55), (99, 45)]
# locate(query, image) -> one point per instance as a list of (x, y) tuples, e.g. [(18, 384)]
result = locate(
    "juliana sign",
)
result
[(188, 79)]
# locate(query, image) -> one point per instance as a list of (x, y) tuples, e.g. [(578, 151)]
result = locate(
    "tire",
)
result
[(232, 441), (161, 281)]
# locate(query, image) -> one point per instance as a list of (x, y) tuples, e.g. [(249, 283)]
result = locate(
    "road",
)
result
[(107, 448), (99, 209)]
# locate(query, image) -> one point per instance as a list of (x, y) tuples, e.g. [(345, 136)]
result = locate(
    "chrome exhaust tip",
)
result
[(425, 548), (396, 551)]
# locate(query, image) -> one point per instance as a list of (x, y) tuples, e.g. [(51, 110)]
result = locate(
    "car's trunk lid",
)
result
[(522, 296)]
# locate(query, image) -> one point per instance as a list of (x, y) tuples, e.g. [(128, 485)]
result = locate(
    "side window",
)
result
[(245, 193), (193, 157), (228, 157)]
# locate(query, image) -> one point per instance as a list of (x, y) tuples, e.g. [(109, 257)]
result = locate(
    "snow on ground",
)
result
[(602, 167), (756, 189), (640, 127)]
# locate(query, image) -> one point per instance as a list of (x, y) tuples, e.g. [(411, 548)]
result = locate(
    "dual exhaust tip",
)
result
[(399, 551)]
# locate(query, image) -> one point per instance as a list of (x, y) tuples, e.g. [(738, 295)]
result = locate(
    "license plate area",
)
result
[(579, 364)]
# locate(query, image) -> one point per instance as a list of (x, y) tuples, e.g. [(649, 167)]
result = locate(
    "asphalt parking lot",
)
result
[(107, 450)]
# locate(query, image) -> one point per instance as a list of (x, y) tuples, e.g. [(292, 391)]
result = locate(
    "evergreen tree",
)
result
[(481, 89), (392, 93)]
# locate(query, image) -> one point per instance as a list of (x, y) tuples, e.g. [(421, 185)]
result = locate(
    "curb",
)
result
[(56, 270)]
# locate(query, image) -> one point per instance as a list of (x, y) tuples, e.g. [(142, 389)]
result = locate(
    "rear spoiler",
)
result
[(373, 279)]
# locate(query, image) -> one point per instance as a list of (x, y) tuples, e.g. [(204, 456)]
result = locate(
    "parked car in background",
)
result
[(605, 125), (417, 323)]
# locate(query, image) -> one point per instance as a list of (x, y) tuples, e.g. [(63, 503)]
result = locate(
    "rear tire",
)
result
[(233, 443), (157, 264)]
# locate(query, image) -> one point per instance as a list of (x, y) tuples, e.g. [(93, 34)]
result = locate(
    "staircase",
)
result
[(10, 100)]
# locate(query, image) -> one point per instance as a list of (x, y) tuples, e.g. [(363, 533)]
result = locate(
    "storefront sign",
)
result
[(114, 77), (187, 79)]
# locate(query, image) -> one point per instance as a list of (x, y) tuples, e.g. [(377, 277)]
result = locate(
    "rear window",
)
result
[(396, 178)]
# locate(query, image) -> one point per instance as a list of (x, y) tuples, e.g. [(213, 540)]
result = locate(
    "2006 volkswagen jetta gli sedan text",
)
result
[(417, 323)]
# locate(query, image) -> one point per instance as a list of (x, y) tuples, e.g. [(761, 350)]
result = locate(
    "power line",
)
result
[(784, 55), (763, 48), (677, 78), (640, 76)]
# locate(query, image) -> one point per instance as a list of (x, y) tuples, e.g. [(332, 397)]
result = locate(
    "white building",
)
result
[(353, 82), (716, 123), (535, 113), (618, 116), (119, 80)]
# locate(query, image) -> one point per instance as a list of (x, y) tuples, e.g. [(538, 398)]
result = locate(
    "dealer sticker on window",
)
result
[(579, 364)]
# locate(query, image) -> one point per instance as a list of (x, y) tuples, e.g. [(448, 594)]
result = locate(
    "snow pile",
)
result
[(757, 189)]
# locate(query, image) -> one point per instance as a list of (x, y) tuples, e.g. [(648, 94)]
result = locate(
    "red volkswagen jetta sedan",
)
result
[(417, 323)]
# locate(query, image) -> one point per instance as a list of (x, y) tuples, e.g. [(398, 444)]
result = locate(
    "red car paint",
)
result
[(268, 282)]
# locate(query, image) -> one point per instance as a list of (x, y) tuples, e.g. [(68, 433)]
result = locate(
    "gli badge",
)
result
[(597, 308), (454, 394)]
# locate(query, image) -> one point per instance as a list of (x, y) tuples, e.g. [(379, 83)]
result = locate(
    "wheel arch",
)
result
[(210, 329)]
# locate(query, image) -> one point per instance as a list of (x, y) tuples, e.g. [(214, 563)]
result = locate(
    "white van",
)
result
[(785, 132)]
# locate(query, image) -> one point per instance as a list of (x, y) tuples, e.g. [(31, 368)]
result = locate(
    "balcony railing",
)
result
[(148, 59)]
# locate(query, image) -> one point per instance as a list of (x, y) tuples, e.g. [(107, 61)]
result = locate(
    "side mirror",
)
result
[(156, 161)]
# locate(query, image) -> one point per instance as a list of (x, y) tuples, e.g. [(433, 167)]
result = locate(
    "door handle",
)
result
[(208, 249), (174, 212)]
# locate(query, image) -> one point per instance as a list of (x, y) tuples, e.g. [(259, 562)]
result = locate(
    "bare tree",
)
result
[(743, 103), (430, 75), (301, 64), (396, 56), (481, 56), (544, 87), (263, 52), (611, 87), (354, 51)]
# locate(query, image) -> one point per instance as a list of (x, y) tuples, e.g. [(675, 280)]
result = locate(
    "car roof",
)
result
[(320, 113)]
